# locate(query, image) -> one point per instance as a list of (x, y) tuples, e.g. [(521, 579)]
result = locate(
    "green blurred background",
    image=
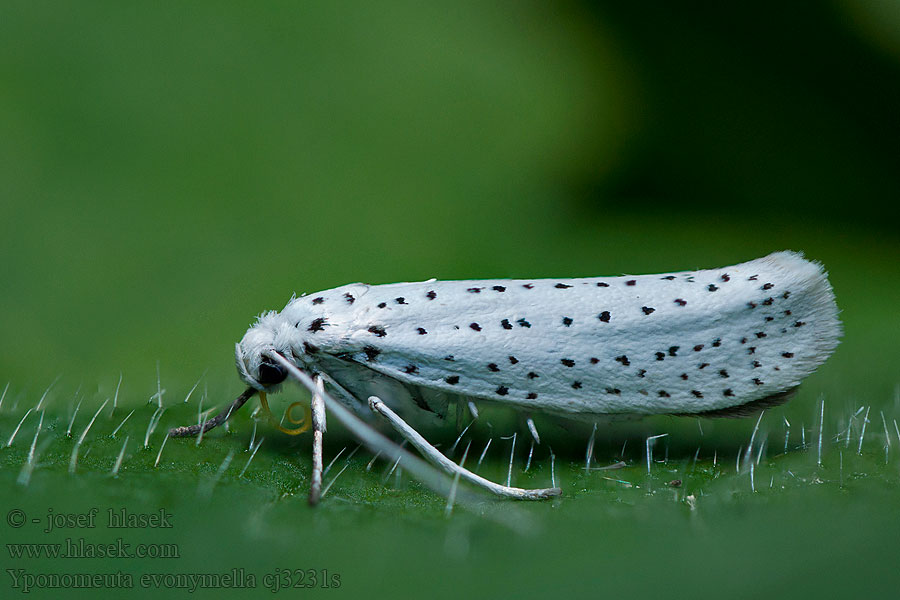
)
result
[(170, 170)]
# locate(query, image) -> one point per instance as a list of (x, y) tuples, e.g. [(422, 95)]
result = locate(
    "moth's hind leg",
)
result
[(436, 458)]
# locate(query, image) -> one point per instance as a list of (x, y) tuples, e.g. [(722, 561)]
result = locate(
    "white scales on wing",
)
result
[(679, 343)]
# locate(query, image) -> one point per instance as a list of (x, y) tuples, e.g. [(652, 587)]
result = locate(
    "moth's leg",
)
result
[(473, 410), (435, 457), (533, 430), (317, 404)]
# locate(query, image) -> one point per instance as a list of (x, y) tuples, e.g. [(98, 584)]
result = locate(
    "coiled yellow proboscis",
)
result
[(305, 423)]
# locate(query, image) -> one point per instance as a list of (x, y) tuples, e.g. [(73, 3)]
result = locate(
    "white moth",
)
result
[(718, 342)]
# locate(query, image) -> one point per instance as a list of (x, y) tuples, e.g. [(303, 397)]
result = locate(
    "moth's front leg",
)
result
[(317, 404)]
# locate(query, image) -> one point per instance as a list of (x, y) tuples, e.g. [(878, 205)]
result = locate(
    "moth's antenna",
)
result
[(192, 430)]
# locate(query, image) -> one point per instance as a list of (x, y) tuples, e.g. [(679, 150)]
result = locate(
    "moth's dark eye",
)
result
[(270, 374)]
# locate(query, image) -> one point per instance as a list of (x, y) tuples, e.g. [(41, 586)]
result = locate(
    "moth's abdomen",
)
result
[(686, 342)]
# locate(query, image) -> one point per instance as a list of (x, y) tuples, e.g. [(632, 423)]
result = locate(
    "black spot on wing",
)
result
[(317, 325)]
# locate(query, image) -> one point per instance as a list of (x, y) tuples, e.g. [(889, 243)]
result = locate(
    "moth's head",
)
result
[(253, 354)]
